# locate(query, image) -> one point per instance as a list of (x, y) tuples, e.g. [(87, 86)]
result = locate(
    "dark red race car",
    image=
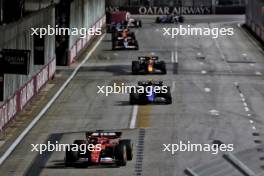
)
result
[(100, 147)]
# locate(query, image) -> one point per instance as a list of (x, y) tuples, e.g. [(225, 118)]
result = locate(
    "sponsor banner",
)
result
[(41, 78), (15, 61), (155, 10), (18, 102)]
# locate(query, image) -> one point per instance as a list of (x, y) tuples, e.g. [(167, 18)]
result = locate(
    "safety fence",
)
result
[(82, 43), (19, 100)]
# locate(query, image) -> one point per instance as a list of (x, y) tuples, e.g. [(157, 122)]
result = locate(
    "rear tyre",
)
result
[(133, 36), (163, 67), (121, 155), (71, 157), (181, 19), (157, 20), (133, 98), (114, 43), (140, 23), (135, 67), (167, 96), (136, 44), (129, 148)]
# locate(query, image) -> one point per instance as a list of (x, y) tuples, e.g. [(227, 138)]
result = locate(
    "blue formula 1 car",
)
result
[(148, 92), (170, 19)]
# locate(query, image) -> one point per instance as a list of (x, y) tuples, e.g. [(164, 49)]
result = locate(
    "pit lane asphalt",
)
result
[(206, 105)]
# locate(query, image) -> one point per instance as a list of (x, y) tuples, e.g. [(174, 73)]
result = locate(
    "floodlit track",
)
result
[(220, 97)]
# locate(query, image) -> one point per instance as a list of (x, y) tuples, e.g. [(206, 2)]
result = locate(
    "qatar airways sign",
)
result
[(174, 10), (154, 10)]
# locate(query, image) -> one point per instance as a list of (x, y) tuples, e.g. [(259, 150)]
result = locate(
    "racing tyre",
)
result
[(129, 148), (135, 67), (114, 43), (181, 19), (140, 23), (136, 44), (70, 157), (163, 67), (133, 98), (121, 155), (133, 35), (157, 20), (167, 96)]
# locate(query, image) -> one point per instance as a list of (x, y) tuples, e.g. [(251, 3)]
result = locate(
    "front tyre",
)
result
[(167, 96), (129, 148), (135, 67), (71, 156), (121, 155)]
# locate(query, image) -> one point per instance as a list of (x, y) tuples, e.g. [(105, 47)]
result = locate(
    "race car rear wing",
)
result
[(107, 134), (148, 57)]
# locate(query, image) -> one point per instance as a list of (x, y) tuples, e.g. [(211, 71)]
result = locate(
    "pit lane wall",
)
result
[(255, 17), (20, 89), (84, 14)]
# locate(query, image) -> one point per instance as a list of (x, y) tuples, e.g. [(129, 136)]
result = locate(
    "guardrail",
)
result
[(82, 43), (20, 99)]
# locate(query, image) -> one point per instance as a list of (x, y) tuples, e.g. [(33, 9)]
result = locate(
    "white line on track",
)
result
[(203, 72), (48, 105), (172, 57), (134, 117), (246, 109), (258, 73), (176, 57), (207, 89), (245, 104), (173, 87)]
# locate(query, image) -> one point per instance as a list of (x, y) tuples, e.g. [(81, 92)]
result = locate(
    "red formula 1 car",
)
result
[(100, 147)]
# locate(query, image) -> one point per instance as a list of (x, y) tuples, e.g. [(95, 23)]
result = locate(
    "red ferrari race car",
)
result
[(100, 147)]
